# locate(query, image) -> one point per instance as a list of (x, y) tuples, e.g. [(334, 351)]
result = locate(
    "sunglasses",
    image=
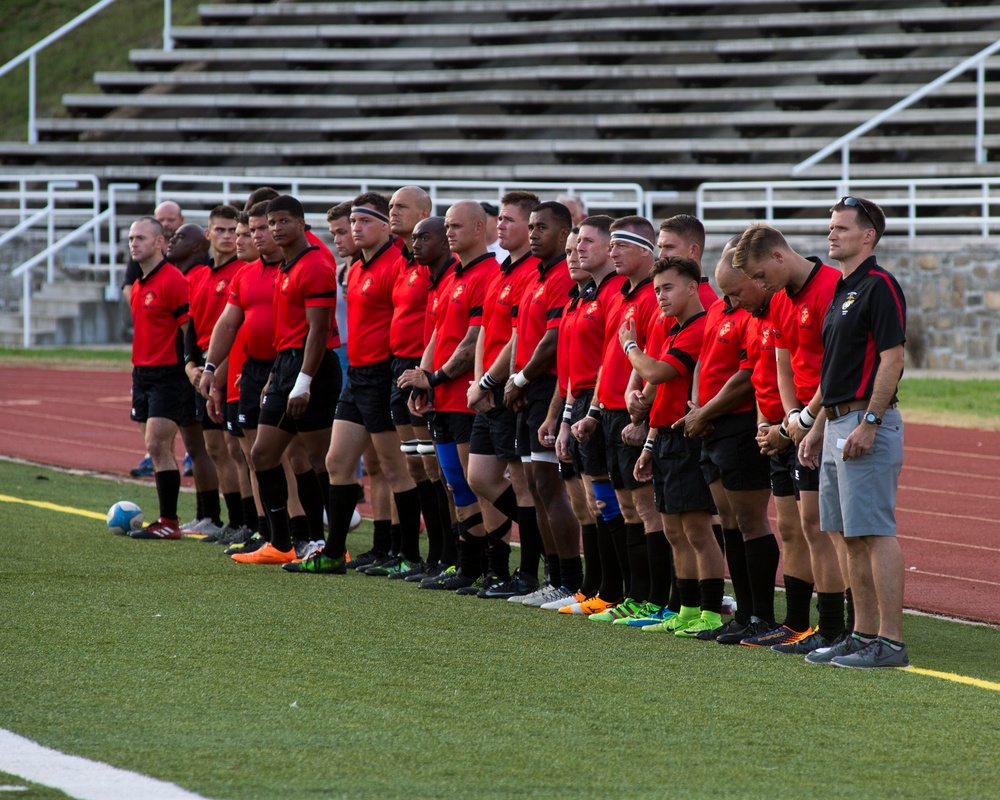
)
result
[(853, 202)]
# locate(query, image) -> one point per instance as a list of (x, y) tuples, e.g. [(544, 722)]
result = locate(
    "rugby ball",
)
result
[(124, 518)]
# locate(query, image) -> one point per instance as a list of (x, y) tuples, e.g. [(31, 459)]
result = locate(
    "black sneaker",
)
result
[(428, 571), (804, 646), (756, 627), (733, 632), (366, 559), (254, 543), (516, 585), (416, 568), (875, 654), (477, 586), (382, 568), (491, 580), (240, 535), (217, 537), (844, 646), (450, 580), (712, 634)]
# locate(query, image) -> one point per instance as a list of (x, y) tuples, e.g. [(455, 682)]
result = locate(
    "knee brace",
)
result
[(605, 495), (451, 466)]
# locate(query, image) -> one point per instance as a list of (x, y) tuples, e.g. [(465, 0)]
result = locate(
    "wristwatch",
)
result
[(871, 419)]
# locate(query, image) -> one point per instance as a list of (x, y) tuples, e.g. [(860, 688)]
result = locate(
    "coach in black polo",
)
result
[(862, 445)]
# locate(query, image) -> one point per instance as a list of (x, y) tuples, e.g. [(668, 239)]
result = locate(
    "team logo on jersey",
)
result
[(805, 319), (505, 292), (285, 283), (592, 308), (221, 286), (765, 337), (724, 330), (366, 286), (414, 277), (539, 292), (629, 313), (851, 297), (457, 292), (148, 299)]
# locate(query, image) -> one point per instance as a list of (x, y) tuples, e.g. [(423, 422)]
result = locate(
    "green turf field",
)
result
[(243, 682)]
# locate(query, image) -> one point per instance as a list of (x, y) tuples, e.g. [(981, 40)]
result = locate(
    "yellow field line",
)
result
[(954, 678), (4, 498)]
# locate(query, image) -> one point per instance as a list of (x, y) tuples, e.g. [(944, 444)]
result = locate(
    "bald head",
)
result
[(735, 285), (430, 243), (407, 207), (465, 225), (188, 246), (169, 215)]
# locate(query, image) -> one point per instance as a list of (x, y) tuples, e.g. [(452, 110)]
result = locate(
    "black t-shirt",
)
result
[(866, 317), (132, 273)]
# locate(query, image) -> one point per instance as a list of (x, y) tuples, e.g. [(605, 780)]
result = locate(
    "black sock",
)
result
[(449, 553), (210, 505), (690, 592), (432, 520), (710, 591), (343, 502), (199, 510), (798, 597), (395, 540), (498, 552), (249, 512), (591, 560), (661, 561), (470, 555), (168, 487), (506, 504), (311, 497), (720, 537), (571, 573), (736, 560), (675, 591), (408, 511), (531, 541), (444, 508), (611, 574), (762, 567), (274, 497), (616, 527), (298, 527), (849, 597), (382, 536), (831, 614), (234, 509), (264, 527), (553, 573), (638, 561)]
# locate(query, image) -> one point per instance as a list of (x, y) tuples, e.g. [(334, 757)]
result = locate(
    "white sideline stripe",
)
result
[(79, 777)]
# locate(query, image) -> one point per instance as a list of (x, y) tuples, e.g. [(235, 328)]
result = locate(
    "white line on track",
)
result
[(79, 777), (956, 453)]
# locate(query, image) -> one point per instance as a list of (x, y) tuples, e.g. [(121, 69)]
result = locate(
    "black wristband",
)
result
[(437, 377), (594, 412), (488, 382), (209, 367)]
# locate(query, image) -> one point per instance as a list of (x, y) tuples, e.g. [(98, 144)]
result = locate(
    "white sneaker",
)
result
[(564, 599), (728, 604), (541, 595), (193, 525)]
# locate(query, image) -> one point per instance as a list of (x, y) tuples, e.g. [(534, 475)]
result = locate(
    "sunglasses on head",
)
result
[(853, 202)]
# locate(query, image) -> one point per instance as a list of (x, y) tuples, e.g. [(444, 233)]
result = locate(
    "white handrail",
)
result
[(843, 143)]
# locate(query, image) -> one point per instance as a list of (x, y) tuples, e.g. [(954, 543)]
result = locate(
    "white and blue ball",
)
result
[(124, 518)]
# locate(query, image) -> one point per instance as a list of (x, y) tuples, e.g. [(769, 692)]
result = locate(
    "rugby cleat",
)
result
[(268, 554), (161, 529)]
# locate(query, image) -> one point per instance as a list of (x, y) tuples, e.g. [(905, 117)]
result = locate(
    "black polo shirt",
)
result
[(866, 317)]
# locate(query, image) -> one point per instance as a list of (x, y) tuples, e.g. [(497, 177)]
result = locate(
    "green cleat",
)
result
[(625, 609), (675, 623), (702, 628), (644, 610), (318, 564)]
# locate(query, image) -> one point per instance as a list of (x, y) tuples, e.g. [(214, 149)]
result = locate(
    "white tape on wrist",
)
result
[(301, 387)]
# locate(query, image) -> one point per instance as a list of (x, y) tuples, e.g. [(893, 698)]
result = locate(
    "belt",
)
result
[(837, 411)]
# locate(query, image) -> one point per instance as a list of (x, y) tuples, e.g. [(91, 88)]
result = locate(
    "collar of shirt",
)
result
[(365, 264), (627, 292), (762, 311), (859, 274), (287, 265), (543, 269), (152, 272), (677, 327), (817, 265), (509, 266), (729, 307), (460, 267), (440, 276), (212, 266)]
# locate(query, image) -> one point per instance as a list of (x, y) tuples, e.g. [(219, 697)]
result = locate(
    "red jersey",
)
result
[(661, 326), (209, 291), (307, 281), (234, 365), (587, 339), (159, 308), (434, 299), (461, 295), (637, 303), (681, 349), (798, 325), (760, 354), (409, 310), (504, 292), (253, 291), (723, 352), (540, 308), (566, 327), (369, 305)]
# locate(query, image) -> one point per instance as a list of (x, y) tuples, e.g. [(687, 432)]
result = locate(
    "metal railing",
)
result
[(30, 55), (953, 206), (978, 61)]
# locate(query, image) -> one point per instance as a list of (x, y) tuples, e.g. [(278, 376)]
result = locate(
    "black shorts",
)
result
[(782, 484), (568, 471), (253, 379), (494, 431), (452, 426), (398, 409), (201, 413), (805, 479), (162, 393), (366, 397), (678, 483), (233, 418), (732, 454), (590, 457), (322, 393), (621, 456), (538, 396)]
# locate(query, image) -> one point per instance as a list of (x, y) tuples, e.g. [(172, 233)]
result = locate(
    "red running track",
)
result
[(948, 506)]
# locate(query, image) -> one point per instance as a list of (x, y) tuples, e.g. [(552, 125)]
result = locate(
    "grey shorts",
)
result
[(858, 496)]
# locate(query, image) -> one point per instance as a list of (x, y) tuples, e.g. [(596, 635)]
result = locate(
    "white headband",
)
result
[(631, 238), (370, 212)]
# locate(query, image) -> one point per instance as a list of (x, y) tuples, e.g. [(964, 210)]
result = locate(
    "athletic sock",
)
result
[(720, 537), (395, 540), (298, 528), (675, 592), (736, 560), (234, 509), (798, 597), (311, 497), (867, 638), (571, 573), (591, 560), (710, 592), (444, 508), (210, 506), (831, 614), (199, 506), (616, 527), (382, 536), (762, 556), (449, 553), (432, 519), (610, 590), (849, 597), (690, 593), (553, 573), (264, 527), (470, 555), (343, 501), (168, 487), (661, 561), (498, 552), (638, 561), (249, 512), (408, 511), (531, 541), (274, 498), (506, 504)]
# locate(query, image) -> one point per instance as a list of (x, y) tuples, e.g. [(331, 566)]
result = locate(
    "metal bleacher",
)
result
[(669, 94)]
